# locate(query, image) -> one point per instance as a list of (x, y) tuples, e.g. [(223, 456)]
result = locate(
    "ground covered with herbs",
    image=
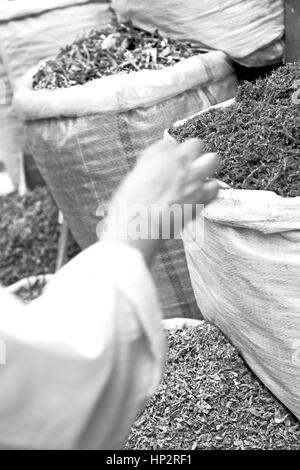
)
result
[(120, 48), (209, 399), (29, 233), (258, 138)]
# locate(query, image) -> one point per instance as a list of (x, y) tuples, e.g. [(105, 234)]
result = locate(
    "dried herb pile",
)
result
[(120, 48), (258, 138), (29, 233), (209, 399)]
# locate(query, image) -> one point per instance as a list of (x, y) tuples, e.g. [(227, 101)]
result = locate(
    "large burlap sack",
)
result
[(243, 255), (29, 32), (246, 278), (86, 138), (250, 31)]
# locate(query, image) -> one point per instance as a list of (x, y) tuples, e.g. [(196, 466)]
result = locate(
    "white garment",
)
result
[(83, 358)]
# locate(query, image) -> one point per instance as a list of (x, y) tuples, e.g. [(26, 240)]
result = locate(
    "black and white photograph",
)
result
[(150, 228)]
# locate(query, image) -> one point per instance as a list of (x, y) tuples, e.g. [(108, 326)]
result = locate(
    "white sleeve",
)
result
[(83, 358)]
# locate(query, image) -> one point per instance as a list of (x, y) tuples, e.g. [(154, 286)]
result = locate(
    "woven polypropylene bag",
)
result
[(86, 138), (250, 31), (29, 32), (245, 273)]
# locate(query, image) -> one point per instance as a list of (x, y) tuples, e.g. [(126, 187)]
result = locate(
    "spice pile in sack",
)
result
[(86, 137), (257, 138), (245, 270), (119, 48)]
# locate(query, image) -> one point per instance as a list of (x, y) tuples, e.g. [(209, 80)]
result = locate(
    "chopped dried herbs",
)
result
[(258, 138), (31, 291), (29, 232), (120, 48), (209, 399)]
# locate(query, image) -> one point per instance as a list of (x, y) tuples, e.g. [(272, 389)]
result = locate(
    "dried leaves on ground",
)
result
[(258, 138), (120, 48), (209, 399), (29, 233)]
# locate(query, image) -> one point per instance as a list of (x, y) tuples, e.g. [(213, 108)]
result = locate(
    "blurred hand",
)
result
[(167, 173)]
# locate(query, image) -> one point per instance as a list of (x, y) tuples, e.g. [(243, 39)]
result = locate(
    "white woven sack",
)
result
[(11, 130), (19, 9), (86, 138)]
